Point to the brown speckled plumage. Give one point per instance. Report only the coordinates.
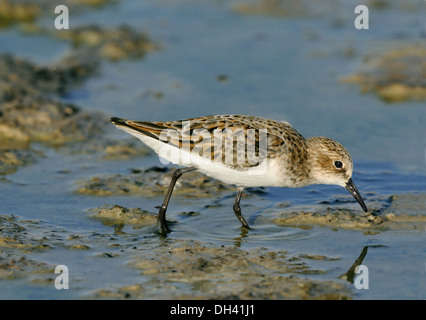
(286, 159)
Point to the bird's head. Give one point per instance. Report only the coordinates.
(331, 163)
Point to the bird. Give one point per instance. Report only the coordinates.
(245, 151)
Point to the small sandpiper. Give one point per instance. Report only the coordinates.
(245, 151)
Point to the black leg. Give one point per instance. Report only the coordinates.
(163, 208)
(237, 209)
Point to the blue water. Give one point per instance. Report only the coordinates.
(281, 68)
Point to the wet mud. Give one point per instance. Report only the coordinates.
(152, 181)
(397, 212)
(120, 216)
(27, 12)
(30, 95)
(200, 271)
(32, 111)
(283, 8)
(112, 44)
(204, 272)
(15, 244)
(12, 12)
(395, 75)
(189, 269)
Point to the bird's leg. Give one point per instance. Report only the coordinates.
(237, 209)
(163, 208)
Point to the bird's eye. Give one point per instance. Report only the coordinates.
(338, 164)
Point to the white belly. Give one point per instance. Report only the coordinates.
(268, 173)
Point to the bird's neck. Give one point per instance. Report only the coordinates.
(314, 147)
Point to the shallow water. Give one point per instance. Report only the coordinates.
(287, 68)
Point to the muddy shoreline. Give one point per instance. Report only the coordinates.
(111, 200)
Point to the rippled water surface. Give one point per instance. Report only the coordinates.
(214, 59)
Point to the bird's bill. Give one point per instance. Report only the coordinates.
(350, 186)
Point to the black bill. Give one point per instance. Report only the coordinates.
(350, 186)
